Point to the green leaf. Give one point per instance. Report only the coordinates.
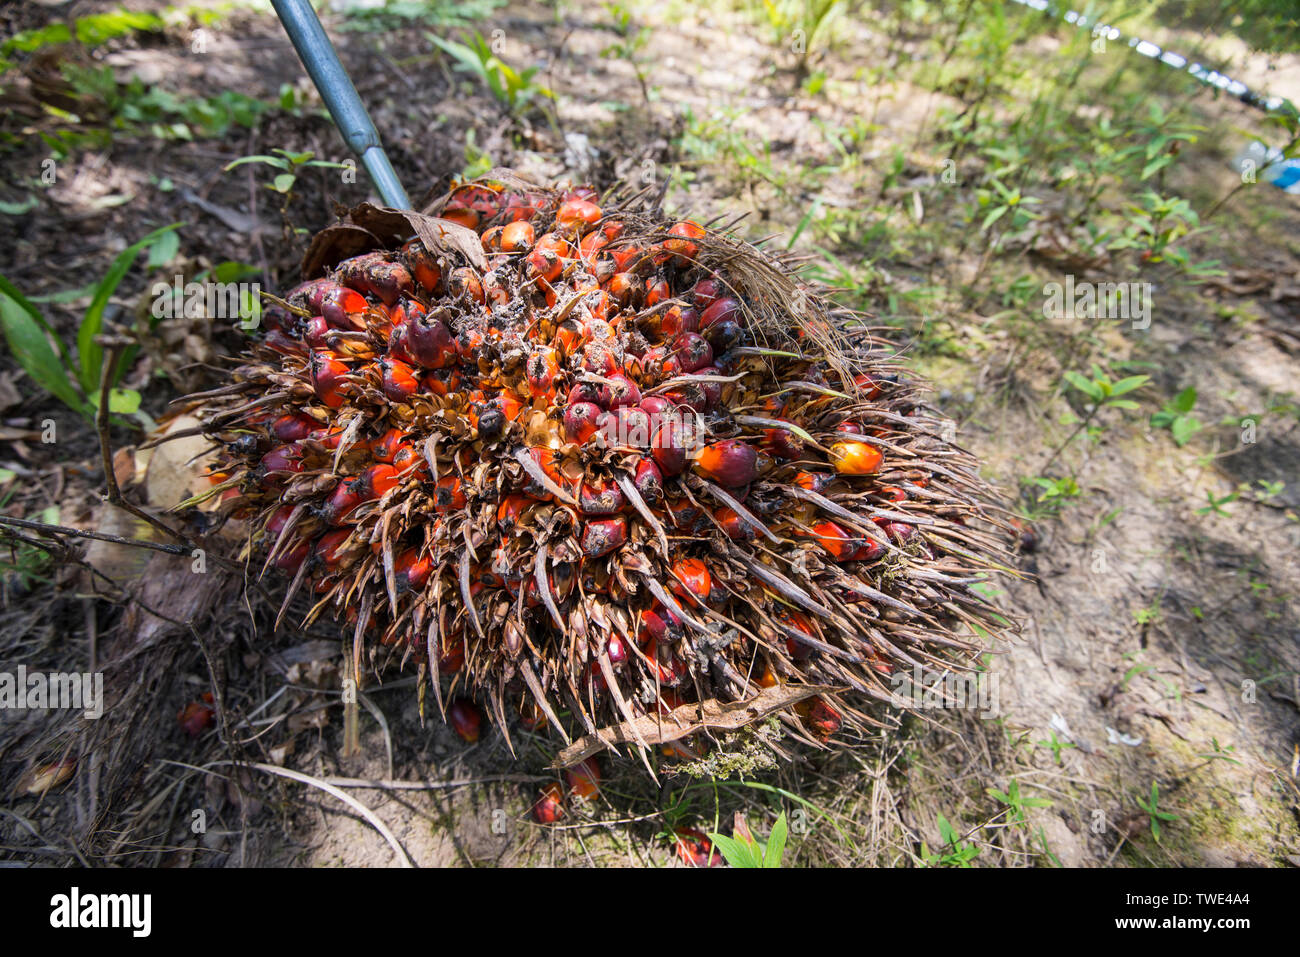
(1185, 401)
(737, 853)
(162, 252)
(1129, 383)
(275, 161)
(776, 843)
(993, 217)
(89, 352)
(120, 401)
(283, 182)
(1184, 427)
(29, 345)
(1089, 388)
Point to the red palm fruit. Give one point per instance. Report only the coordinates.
(385, 447)
(278, 520)
(691, 580)
(892, 493)
(399, 382)
(584, 392)
(376, 274)
(376, 481)
(657, 291)
(695, 849)
(603, 536)
(655, 406)
(649, 481)
(328, 550)
(849, 427)
(723, 335)
(341, 502)
(868, 386)
(465, 282)
(518, 237)
(423, 267)
(318, 333)
(541, 368)
(899, 533)
(617, 651)
(733, 526)
(689, 353)
(765, 677)
(820, 717)
(685, 517)
(545, 459)
(197, 716)
(283, 458)
(855, 458)
(292, 428)
(291, 559)
(411, 571)
(842, 546)
(599, 498)
(531, 717)
(461, 216)
(706, 292)
(783, 443)
(449, 494)
(466, 719)
(721, 310)
(660, 624)
(627, 289)
(442, 382)
(731, 462)
(511, 511)
(451, 655)
(592, 243)
(666, 667)
(580, 421)
(583, 779)
(619, 390)
(492, 239)
(328, 377)
(343, 308)
(813, 481)
(408, 460)
(283, 344)
(678, 320)
(327, 438)
(575, 215)
(799, 650)
(546, 261)
(667, 445)
(549, 806)
(681, 243)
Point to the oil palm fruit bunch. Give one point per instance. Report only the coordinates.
(586, 464)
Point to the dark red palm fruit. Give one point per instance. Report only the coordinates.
(327, 438)
(722, 336)
(603, 536)
(733, 526)
(710, 392)
(689, 353)
(282, 458)
(292, 428)
(666, 667)
(694, 849)
(518, 237)
(448, 495)
(599, 498)
(619, 391)
(411, 571)
(328, 551)
(575, 216)
(276, 523)
(584, 392)
(867, 385)
(377, 275)
(849, 427)
(344, 308)
(385, 447)
(649, 482)
(691, 580)
(616, 650)
(892, 493)
(667, 445)
(197, 716)
(731, 462)
(583, 779)
(842, 546)
(285, 345)
(291, 559)
(423, 267)
(318, 333)
(549, 806)
(399, 380)
(783, 443)
(341, 502)
(685, 517)
(682, 244)
(328, 377)
(630, 428)
(465, 718)
(899, 533)
(706, 292)
(798, 650)
(720, 310)
(659, 624)
(655, 406)
(580, 421)
(451, 655)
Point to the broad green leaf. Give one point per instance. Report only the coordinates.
(1184, 428)
(1185, 401)
(776, 843)
(32, 349)
(1129, 384)
(120, 401)
(737, 853)
(275, 161)
(283, 182)
(90, 354)
(1089, 388)
(161, 252)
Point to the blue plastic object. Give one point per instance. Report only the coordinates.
(326, 71)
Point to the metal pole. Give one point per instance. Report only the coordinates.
(340, 96)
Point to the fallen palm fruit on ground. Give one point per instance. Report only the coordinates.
(596, 468)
